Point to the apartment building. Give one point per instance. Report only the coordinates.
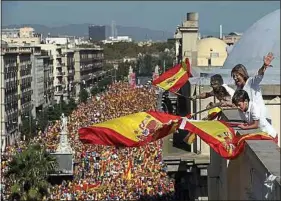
(69, 71)
(58, 69)
(25, 35)
(88, 67)
(48, 77)
(16, 91)
(42, 79)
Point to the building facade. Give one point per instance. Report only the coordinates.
(97, 33)
(16, 91)
(69, 71)
(58, 69)
(38, 80)
(88, 67)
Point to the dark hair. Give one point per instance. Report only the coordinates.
(217, 77)
(220, 93)
(240, 95)
(241, 69)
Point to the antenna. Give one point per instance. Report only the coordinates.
(220, 31)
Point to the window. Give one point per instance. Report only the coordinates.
(214, 54)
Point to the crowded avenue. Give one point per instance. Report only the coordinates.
(104, 166)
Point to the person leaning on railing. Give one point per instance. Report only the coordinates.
(252, 113)
(220, 90)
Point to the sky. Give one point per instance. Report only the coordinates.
(156, 15)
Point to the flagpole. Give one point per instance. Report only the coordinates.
(191, 115)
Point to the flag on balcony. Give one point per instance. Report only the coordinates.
(212, 114)
(132, 130)
(221, 137)
(174, 78)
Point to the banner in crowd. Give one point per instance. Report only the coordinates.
(132, 130)
(155, 76)
(86, 187)
(212, 114)
(174, 78)
(128, 172)
(221, 137)
(132, 79)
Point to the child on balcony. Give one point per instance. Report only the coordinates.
(253, 115)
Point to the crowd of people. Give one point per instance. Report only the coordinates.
(101, 172)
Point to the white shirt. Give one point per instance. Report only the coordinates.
(254, 114)
(252, 87)
(229, 90)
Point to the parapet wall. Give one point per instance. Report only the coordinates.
(254, 175)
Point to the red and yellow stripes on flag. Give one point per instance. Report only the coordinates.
(215, 133)
(132, 130)
(128, 172)
(222, 138)
(239, 140)
(212, 114)
(86, 187)
(174, 78)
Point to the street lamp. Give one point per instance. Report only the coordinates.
(115, 66)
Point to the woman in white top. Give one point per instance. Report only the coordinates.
(252, 84)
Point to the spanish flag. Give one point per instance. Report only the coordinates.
(86, 186)
(212, 114)
(132, 130)
(174, 78)
(221, 137)
(128, 172)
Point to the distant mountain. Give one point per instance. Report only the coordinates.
(137, 33)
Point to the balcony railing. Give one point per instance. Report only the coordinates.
(58, 93)
(59, 74)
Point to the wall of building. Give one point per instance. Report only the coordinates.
(243, 178)
(38, 81)
(18, 41)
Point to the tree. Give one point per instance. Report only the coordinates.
(42, 119)
(72, 104)
(94, 90)
(28, 173)
(83, 96)
(28, 127)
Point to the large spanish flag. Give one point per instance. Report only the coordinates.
(132, 130)
(221, 137)
(174, 78)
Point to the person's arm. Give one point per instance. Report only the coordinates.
(253, 125)
(227, 102)
(255, 113)
(204, 95)
(266, 63)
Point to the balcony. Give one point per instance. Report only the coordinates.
(58, 93)
(58, 65)
(59, 74)
(26, 107)
(71, 72)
